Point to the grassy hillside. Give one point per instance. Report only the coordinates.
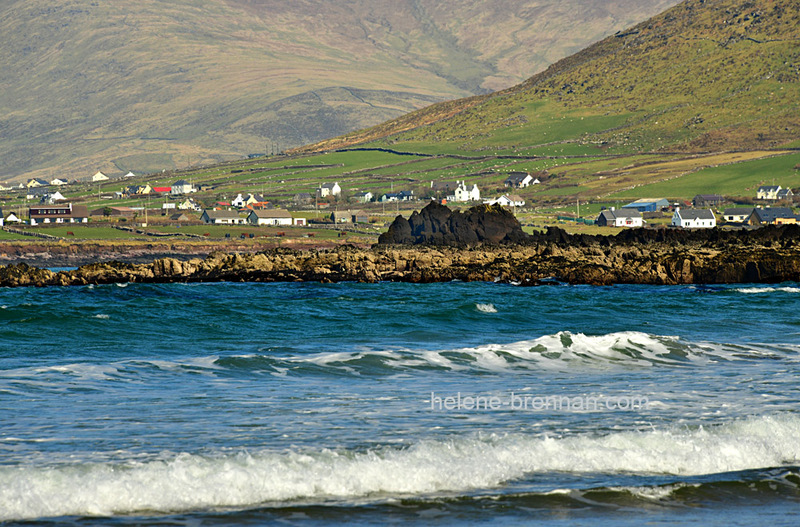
(149, 85)
(702, 76)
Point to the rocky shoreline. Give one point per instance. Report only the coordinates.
(475, 246)
(635, 263)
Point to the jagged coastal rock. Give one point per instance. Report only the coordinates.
(482, 244)
(438, 225)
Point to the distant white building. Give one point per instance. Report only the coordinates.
(769, 192)
(52, 197)
(182, 187)
(620, 218)
(58, 182)
(188, 204)
(520, 180)
(507, 200)
(270, 217)
(465, 193)
(99, 176)
(36, 182)
(10, 218)
(224, 217)
(737, 214)
(329, 189)
(694, 218)
(129, 174)
(364, 197)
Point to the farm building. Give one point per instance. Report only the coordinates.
(648, 205)
(707, 200)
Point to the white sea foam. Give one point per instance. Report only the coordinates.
(102, 316)
(762, 290)
(553, 352)
(193, 482)
(486, 308)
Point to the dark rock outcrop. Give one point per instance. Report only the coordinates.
(438, 225)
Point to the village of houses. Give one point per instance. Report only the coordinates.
(179, 206)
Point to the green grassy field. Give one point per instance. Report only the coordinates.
(85, 232)
(739, 179)
(12, 236)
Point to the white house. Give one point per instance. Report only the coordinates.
(241, 202)
(520, 180)
(364, 197)
(35, 182)
(620, 218)
(403, 195)
(769, 192)
(188, 204)
(270, 217)
(58, 182)
(507, 200)
(129, 174)
(694, 218)
(222, 217)
(329, 189)
(737, 214)
(465, 193)
(182, 187)
(99, 176)
(11, 218)
(52, 197)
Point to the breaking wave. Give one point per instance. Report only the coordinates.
(558, 352)
(461, 464)
(763, 290)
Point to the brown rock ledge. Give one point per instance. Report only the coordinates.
(770, 261)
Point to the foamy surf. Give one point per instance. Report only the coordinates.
(486, 308)
(558, 351)
(188, 482)
(765, 290)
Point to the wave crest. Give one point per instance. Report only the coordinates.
(460, 464)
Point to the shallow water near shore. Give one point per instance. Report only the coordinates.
(449, 403)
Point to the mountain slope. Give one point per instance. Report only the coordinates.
(148, 85)
(704, 75)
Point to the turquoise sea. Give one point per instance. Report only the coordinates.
(434, 404)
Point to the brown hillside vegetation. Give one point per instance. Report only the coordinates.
(148, 85)
(702, 76)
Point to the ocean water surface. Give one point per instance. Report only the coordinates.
(455, 403)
